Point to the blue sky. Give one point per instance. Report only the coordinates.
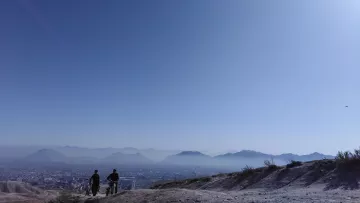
(272, 76)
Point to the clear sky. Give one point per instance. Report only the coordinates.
(272, 76)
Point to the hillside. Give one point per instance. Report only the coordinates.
(18, 192)
(269, 178)
(315, 181)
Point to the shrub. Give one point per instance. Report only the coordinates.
(247, 170)
(347, 160)
(344, 156)
(293, 164)
(203, 179)
(193, 180)
(231, 174)
(270, 164)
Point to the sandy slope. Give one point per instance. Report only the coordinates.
(18, 192)
(317, 181)
(314, 194)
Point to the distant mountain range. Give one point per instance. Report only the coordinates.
(238, 159)
(189, 158)
(52, 156)
(45, 155)
(133, 156)
(100, 153)
(285, 157)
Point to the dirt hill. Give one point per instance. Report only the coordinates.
(300, 175)
(316, 181)
(18, 192)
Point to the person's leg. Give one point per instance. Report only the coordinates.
(94, 190)
(107, 191)
(116, 187)
(112, 189)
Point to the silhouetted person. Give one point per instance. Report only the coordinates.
(114, 179)
(95, 183)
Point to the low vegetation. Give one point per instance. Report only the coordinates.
(203, 179)
(293, 164)
(247, 171)
(270, 164)
(348, 160)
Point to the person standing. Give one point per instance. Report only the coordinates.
(95, 183)
(114, 179)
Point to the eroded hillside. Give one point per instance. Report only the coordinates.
(322, 172)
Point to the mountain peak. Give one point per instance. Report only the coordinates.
(251, 154)
(46, 155)
(190, 153)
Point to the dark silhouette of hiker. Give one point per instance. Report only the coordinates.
(95, 183)
(113, 178)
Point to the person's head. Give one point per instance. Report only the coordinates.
(96, 171)
(114, 171)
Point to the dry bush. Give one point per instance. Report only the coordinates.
(270, 164)
(348, 161)
(203, 179)
(293, 164)
(247, 171)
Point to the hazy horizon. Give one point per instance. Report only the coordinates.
(271, 76)
(204, 151)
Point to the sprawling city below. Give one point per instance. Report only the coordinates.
(76, 177)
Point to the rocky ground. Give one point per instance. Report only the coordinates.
(306, 195)
(317, 181)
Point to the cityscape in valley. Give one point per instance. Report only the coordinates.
(66, 168)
